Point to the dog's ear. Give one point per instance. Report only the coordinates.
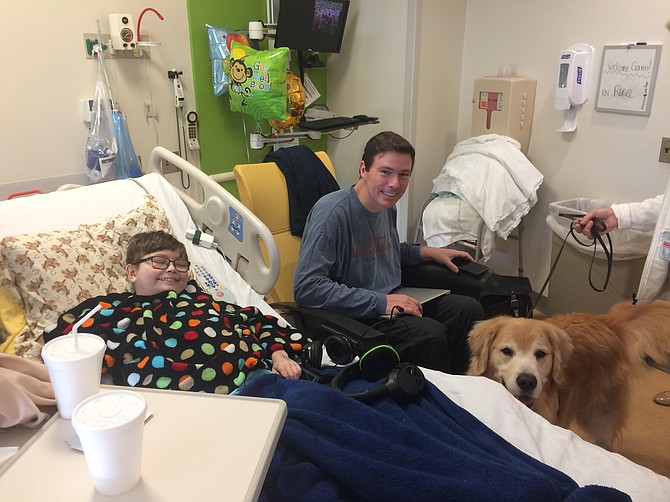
(561, 347)
(480, 339)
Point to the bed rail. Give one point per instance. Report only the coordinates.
(235, 228)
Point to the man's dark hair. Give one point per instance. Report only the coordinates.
(383, 142)
(149, 242)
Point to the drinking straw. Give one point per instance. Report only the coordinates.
(79, 323)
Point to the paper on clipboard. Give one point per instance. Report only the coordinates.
(311, 92)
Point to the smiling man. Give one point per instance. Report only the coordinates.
(351, 257)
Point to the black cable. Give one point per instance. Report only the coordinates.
(176, 115)
(608, 254)
(186, 184)
(341, 137)
(597, 228)
(355, 349)
(387, 331)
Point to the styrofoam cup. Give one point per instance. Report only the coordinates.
(74, 371)
(110, 426)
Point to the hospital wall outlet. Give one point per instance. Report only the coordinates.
(86, 110)
(664, 156)
(91, 40)
(150, 110)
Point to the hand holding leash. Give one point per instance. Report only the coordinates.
(596, 222)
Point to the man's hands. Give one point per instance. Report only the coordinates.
(444, 256)
(410, 306)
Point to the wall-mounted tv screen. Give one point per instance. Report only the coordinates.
(311, 25)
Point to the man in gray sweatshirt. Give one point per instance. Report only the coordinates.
(351, 257)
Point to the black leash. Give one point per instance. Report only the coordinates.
(598, 227)
(608, 254)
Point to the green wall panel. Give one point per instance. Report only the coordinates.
(223, 134)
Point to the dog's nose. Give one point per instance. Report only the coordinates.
(526, 382)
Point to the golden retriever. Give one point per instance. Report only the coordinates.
(574, 369)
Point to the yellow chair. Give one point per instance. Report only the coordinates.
(264, 191)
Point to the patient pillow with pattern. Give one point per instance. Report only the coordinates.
(49, 273)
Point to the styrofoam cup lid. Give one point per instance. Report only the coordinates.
(109, 410)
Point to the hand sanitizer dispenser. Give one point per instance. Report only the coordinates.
(573, 82)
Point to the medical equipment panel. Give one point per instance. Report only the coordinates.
(504, 105)
(122, 32)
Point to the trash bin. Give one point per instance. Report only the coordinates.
(569, 288)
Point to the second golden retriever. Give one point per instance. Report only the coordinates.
(574, 369)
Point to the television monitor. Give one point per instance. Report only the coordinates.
(311, 25)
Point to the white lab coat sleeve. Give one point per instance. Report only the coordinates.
(638, 215)
(654, 282)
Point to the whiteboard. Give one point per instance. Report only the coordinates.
(627, 78)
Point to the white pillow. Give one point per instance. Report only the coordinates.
(52, 272)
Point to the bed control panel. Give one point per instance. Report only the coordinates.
(209, 283)
(236, 225)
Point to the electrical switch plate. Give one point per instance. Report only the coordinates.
(665, 151)
(150, 110)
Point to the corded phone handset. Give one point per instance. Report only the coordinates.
(192, 131)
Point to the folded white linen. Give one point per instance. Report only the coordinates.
(494, 177)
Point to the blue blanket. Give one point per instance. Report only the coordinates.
(335, 448)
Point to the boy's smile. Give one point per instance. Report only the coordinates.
(149, 280)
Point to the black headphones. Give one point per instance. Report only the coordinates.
(403, 381)
(339, 348)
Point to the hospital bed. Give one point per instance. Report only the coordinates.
(110, 211)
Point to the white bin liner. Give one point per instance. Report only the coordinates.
(626, 244)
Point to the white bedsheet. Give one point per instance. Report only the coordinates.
(584, 462)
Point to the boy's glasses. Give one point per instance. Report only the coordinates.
(162, 263)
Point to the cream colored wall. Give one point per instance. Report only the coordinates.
(610, 156)
(371, 76)
(436, 100)
(401, 62)
(45, 74)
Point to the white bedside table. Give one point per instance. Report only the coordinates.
(196, 447)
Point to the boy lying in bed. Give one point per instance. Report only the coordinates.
(169, 334)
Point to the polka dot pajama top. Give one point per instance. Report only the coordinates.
(185, 341)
